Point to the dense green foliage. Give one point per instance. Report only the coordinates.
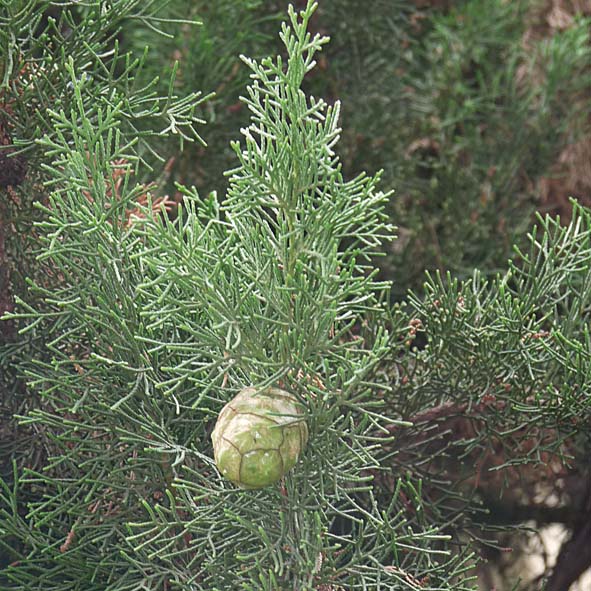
(55, 59)
(134, 317)
(462, 109)
(151, 326)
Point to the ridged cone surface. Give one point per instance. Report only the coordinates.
(259, 437)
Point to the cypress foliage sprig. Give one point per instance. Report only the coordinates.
(42, 44)
(496, 391)
(154, 324)
(59, 60)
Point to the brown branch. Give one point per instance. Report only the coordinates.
(575, 555)
(574, 559)
(450, 409)
(507, 513)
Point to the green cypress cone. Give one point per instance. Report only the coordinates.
(258, 437)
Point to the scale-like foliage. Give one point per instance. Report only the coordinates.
(55, 57)
(497, 390)
(152, 325)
